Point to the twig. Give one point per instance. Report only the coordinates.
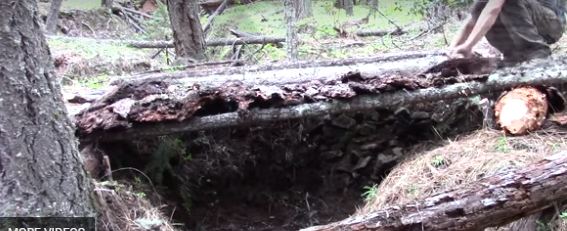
(133, 11)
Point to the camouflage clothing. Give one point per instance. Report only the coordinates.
(525, 28)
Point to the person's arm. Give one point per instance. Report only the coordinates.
(485, 21)
(464, 32)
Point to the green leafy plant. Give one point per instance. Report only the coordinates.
(370, 192)
(438, 161)
(502, 145)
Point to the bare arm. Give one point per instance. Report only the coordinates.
(464, 32)
(485, 21)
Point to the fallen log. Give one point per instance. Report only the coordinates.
(211, 42)
(151, 108)
(521, 110)
(380, 33)
(281, 73)
(492, 201)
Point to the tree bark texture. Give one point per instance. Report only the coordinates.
(492, 201)
(187, 31)
(107, 3)
(53, 16)
(290, 7)
(157, 107)
(40, 170)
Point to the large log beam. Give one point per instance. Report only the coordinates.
(489, 202)
(301, 71)
(152, 108)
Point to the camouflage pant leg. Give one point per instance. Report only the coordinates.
(524, 29)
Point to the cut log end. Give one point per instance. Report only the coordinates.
(521, 110)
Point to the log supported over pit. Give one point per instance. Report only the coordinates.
(164, 106)
(492, 201)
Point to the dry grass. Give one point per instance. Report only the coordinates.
(120, 208)
(460, 162)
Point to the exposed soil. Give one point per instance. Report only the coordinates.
(287, 175)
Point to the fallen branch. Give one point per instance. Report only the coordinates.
(121, 8)
(218, 11)
(379, 33)
(211, 42)
(154, 109)
(242, 34)
(489, 202)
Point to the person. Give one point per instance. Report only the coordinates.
(520, 29)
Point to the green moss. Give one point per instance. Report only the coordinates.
(80, 4)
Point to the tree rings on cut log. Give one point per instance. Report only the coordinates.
(521, 110)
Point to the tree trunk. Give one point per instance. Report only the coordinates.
(40, 169)
(290, 7)
(304, 9)
(53, 16)
(107, 3)
(187, 31)
(373, 5)
(347, 5)
(493, 201)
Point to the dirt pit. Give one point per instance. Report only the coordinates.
(286, 175)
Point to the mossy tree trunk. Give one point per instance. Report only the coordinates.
(40, 170)
(53, 16)
(187, 30)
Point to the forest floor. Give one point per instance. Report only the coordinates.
(255, 199)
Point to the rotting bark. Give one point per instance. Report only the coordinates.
(53, 16)
(492, 201)
(152, 108)
(188, 36)
(40, 170)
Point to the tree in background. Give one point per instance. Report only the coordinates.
(187, 31)
(40, 169)
(347, 5)
(53, 16)
(107, 3)
(290, 7)
(304, 9)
